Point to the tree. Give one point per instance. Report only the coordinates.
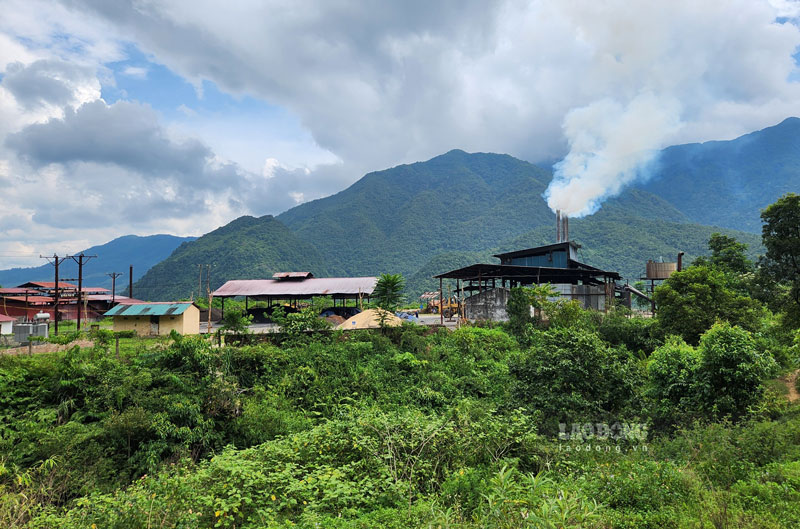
(572, 375)
(780, 267)
(729, 255)
(234, 322)
(520, 301)
(691, 301)
(731, 371)
(672, 371)
(388, 291)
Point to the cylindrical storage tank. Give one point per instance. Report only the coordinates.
(660, 270)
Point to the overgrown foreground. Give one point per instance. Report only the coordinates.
(407, 429)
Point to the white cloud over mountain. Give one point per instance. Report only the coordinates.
(372, 83)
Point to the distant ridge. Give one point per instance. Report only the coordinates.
(424, 218)
(728, 183)
(114, 256)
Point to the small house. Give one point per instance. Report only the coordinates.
(156, 319)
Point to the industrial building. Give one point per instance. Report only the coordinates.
(33, 297)
(156, 319)
(487, 285)
(296, 286)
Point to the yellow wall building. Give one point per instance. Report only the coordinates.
(156, 319)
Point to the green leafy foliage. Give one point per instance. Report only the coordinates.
(388, 291)
(780, 267)
(689, 303)
(731, 371)
(572, 376)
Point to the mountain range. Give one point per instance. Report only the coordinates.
(114, 256)
(458, 208)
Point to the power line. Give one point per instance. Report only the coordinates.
(81, 259)
(56, 261)
(114, 276)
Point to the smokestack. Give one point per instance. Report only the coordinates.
(565, 229)
(680, 261)
(558, 225)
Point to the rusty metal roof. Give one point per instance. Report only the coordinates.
(150, 309)
(46, 284)
(3, 317)
(292, 275)
(33, 300)
(315, 286)
(18, 290)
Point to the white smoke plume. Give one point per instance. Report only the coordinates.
(610, 146)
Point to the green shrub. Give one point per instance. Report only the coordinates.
(672, 373)
(731, 371)
(571, 375)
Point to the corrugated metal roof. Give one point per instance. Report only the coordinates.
(292, 275)
(149, 309)
(537, 250)
(95, 289)
(33, 300)
(3, 317)
(109, 297)
(317, 286)
(17, 290)
(46, 284)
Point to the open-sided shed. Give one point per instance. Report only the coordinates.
(292, 286)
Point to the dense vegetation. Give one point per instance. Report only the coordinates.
(402, 428)
(559, 418)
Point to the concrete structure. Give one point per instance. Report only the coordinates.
(6, 324)
(489, 305)
(156, 319)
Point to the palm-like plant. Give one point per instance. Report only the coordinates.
(388, 291)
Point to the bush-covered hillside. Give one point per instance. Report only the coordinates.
(567, 418)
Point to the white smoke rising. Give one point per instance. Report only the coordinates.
(610, 147)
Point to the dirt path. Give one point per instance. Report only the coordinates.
(45, 348)
(791, 384)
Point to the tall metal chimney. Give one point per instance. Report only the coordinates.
(558, 225)
(565, 229)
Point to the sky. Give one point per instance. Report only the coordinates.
(177, 116)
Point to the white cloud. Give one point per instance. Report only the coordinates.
(137, 72)
(374, 84)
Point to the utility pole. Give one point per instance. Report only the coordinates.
(200, 282)
(130, 282)
(81, 260)
(114, 276)
(208, 294)
(56, 260)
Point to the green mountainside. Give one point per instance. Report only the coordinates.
(247, 248)
(425, 218)
(113, 256)
(728, 183)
